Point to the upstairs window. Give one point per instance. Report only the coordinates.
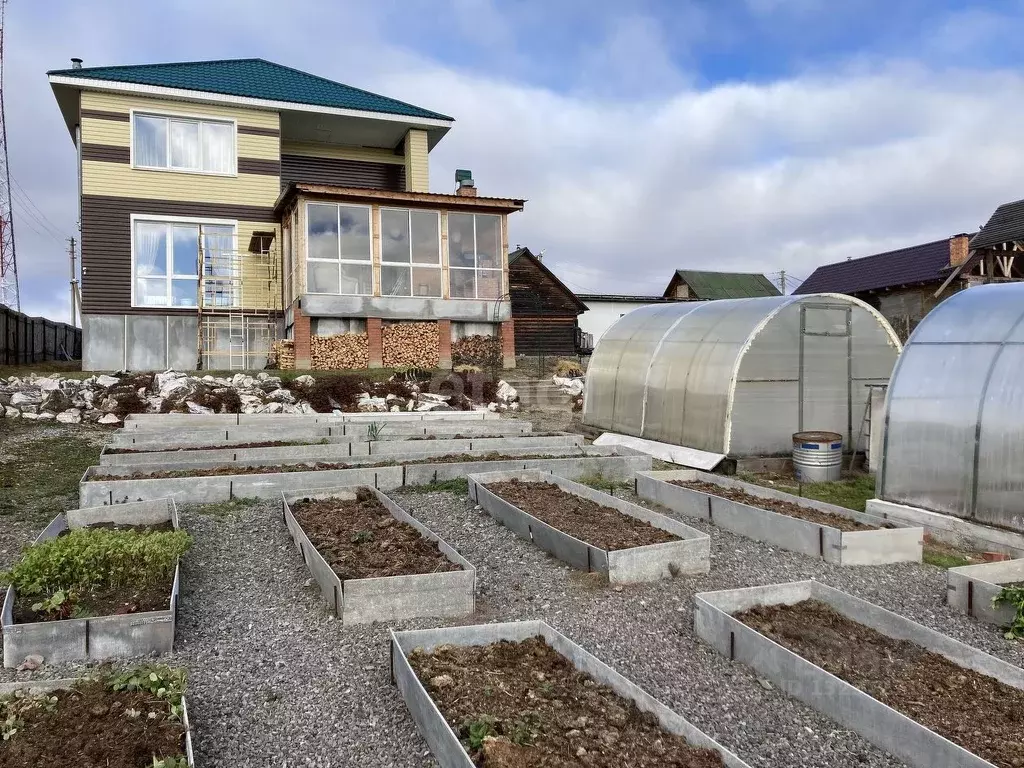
(474, 256)
(410, 243)
(183, 144)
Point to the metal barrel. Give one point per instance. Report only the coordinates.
(817, 456)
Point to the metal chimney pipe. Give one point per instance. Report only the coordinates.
(76, 63)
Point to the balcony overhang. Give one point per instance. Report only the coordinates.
(408, 199)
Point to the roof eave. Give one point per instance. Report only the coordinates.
(436, 127)
(497, 204)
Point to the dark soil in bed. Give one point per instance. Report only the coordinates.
(515, 705)
(360, 539)
(317, 466)
(787, 508)
(973, 710)
(586, 520)
(89, 727)
(104, 602)
(213, 447)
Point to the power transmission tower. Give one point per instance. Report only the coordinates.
(10, 295)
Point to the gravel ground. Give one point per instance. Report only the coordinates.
(276, 681)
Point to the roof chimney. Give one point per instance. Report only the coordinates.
(958, 249)
(466, 186)
(76, 63)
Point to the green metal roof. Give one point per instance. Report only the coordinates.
(726, 285)
(256, 79)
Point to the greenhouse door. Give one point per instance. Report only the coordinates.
(824, 389)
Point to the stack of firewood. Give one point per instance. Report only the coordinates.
(282, 353)
(411, 345)
(342, 350)
(477, 350)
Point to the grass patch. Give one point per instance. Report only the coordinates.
(941, 558)
(601, 483)
(69, 370)
(40, 467)
(852, 492)
(458, 485)
(226, 510)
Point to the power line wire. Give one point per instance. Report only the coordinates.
(37, 210)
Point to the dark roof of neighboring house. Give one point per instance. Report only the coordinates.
(725, 285)
(924, 263)
(1005, 225)
(253, 78)
(527, 253)
(614, 297)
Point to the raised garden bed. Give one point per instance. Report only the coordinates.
(339, 451)
(393, 474)
(591, 530)
(150, 421)
(974, 588)
(118, 720)
(375, 562)
(469, 691)
(835, 534)
(90, 611)
(918, 694)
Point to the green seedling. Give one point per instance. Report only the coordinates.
(1013, 596)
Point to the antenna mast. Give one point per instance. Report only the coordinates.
(10, 294)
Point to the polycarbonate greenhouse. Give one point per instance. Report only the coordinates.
(954, 438)
(740, 376)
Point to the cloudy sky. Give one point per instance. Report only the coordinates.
(646, 136)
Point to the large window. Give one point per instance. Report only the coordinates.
(474, 256)
(338, 249)
(165, 263)
(183, 144)
(410, 245)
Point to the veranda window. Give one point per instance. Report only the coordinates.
(410, 252)
(338, 249)
(474, 256)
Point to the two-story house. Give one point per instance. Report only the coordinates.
(227, 204)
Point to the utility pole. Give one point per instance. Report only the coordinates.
(10, 295)
(74, 283)
(782, 281)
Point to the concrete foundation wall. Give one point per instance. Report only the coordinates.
(897, 544)
(973, 588)
(358, 601)
(139, 342)
(689, 555)
(889, 730)
(445, 745)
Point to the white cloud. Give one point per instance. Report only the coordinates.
(787, 174)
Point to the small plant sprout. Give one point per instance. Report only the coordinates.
(1013, 596)
(363, 537)
(374, 429)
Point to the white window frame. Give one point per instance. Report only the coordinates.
(476, 269)
(191, 117)
(410, 265)
(233, 223)
(368, 262)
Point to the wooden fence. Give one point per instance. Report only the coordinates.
(25, 340)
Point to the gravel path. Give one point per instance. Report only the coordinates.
(276, 681)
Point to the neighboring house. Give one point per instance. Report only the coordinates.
(225, 203)
(698, 285)
(544, 310)
(903, 284)
(603, 310)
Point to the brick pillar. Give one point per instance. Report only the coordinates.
(508, 344)
(376, 342)
(300, 334)
(444, 335)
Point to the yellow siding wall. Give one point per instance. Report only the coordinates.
(417, 164)
(121, 102)
(365, 154)
(261, 275)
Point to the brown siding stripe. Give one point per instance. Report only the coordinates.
(260, 166)
(106, 153)
(254, 130)
(102, 114)
(341, 172)
(107, 247)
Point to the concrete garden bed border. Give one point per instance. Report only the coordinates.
(63, 684)
(445, 594)
(897, 544)
(881, 725)
(204, 490)
(96, 638)
(186, 437)
(972, 588)
(690, 555)
(342, 451)
(151, 421)
(445, 745)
